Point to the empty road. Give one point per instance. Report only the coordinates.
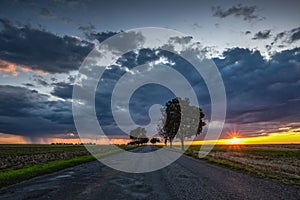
(187, 178)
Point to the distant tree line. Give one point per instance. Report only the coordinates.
(139, 137)
(180, 120)
(64, 143)
(154, 140)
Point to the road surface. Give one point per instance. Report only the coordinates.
(187, 178)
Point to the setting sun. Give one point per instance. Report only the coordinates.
(235, 140)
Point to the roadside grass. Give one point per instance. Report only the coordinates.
(11, 176)
(260, 173)
(264, 161)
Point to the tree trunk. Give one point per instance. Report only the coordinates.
(171, 143)
(182, 143)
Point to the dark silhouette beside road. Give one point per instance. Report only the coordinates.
(180, 120)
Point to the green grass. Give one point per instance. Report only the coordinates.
(12, 176)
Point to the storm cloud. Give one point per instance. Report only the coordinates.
(100, 36)
(290, 36)
(247, 13)
(262, 35)
(259, 92)
(62, 90)
(41, 50)
(29, 113)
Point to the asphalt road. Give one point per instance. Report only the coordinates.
(187, 178)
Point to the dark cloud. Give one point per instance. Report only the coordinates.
(88, 28)
(260, 90)
(279, 36)
(295, 34)
(42, 82)
(16, 101)
(286, 37)
(121, 42)
(45, 12)
(29, 113)
(62, 90)
(247, 13)
(99, 36)
(260, 93)
(39, 80)
(140, 103)
(248, 32)
(280, 46)
(54, 79)
(262, 35)
(29, 85)
(181, 40)
(40, 50)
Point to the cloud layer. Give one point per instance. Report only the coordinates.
(41, 50)
(261, 93)
(262, 35)
(247, 13)
(29, 113)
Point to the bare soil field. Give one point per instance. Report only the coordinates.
(19, 156)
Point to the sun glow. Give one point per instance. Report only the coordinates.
(235, 140)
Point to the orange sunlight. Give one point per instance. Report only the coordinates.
(234, 140)
(234, 137)
(16, 139)
(14, 69)
(288, 137)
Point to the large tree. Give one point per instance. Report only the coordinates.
(180, 120)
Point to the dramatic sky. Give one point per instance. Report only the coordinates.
(254, 44)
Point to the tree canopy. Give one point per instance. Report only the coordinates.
(154, 140)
